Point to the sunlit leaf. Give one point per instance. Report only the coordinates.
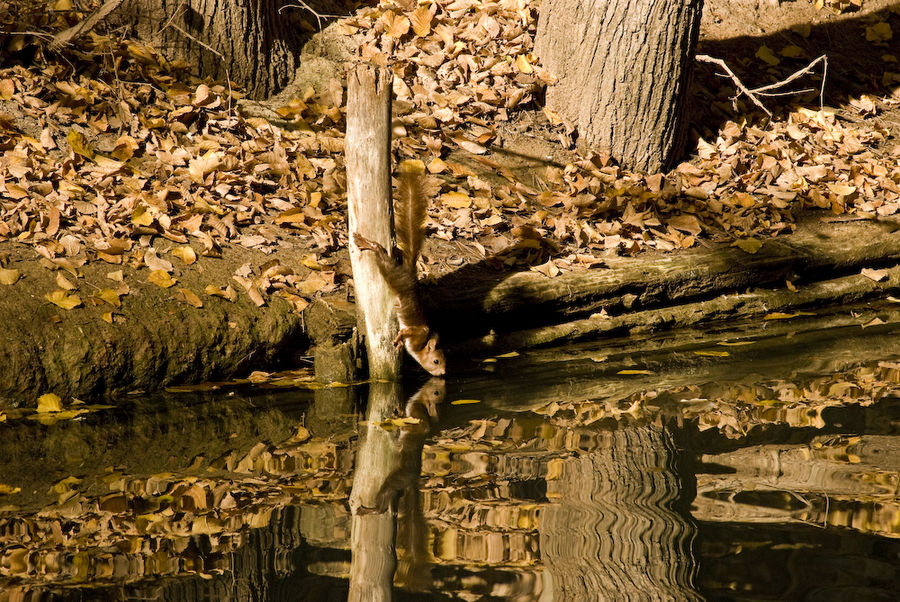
(63, 299)
(9, 276)
(748, 245)
(189, 297)
(161, 278)
(49, 402)
(460, 402)
(631, 372)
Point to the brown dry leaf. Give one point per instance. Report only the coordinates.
(161, 278)
(8, 88)
(421, 20)
(226, 293)
(686, 223)
(62, 299)
(202, 166)
(189, 297)
(9, 276)
(876, 275)
(63, 283)
(395, 25)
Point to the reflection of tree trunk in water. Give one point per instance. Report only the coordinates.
(372, 535)
(616, 532)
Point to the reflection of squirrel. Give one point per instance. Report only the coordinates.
(400, 274)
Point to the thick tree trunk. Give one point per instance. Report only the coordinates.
(246, 40)
(623, 69)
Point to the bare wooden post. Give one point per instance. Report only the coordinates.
(367, 150)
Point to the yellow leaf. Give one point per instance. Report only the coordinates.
(8, 276)
(777, 315)
(63, 283)
(437, 166)
(161, 278)
(107, 317)
(421, 21)
(141, 216)
(712, 353)
(7, 89)
(792, 52)
(110, 296)
(629, 372)
(462, 402)
(62, 299)
(748, 245)
(8, 489)
(412, 166)
(523, 64)
(190, 297)
(79, 144)
(456, 199)
(766, 55)
(185, 254)
(49, 402)
(880, 32)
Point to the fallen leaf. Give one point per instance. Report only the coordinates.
(190, 297)
(9, 276)
(462, 402)
(161, 278)
(748, 245)
(876, 275)
(49, 402)
(62, 299)
(633, 372)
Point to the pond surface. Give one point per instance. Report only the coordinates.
(753, 462)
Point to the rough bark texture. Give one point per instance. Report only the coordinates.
(369, 210)
(248, 41)
(476, 301)
(623, 70)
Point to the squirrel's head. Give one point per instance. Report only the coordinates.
(433, 358)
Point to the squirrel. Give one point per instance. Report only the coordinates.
(400, 273)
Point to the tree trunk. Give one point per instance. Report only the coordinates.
(248, 41)
(369, 211)
(623, 68)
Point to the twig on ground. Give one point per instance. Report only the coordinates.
(318, 16)
(753, 94)
(76, 31)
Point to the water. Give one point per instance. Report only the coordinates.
(757, 461)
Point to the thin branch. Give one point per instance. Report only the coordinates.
(318, 16)
(764, 90)
(705, 58)
(76, 31)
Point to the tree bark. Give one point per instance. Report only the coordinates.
(623, 70)
(248, 41)
(369, 209)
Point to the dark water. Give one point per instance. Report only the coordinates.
(755, 462)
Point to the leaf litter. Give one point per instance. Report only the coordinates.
(136, 163)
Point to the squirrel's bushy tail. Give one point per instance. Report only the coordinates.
(409, 218)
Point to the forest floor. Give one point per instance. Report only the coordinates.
(156, 228)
